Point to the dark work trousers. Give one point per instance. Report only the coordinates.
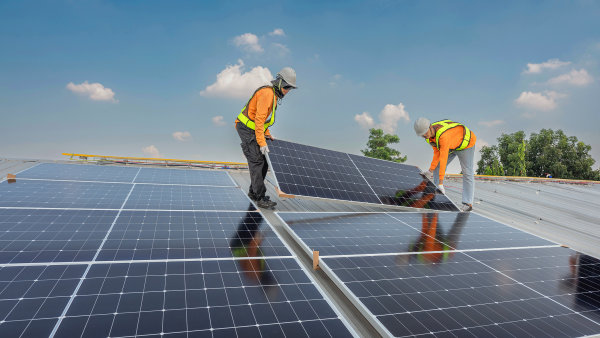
(257, 162)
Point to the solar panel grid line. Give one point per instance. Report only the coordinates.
(543, 295)
(18, 172)
(111, 182)
(89, 265)
(363, 177)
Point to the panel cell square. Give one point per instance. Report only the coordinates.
(81, 172)
(262, 297)
(178, 197)
(38, 235)
(184, 177)
(57, 194)
(143, 235)
(33, 297)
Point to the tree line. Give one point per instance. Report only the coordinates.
(544, 154)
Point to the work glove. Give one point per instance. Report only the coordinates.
(271, 137)
(441, 189)
(427, 174)
(264, 150)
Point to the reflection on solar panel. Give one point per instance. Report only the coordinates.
(314, 172)
(188, 260)
(454, 274)
(374, 233)
(142, 235)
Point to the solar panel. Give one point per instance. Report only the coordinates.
(58, 194)
(180, 197)
(223, 298)
(34, 236)
(80, 172)
(376, 233)
(146, 235)
(166, 257)
(184, 176)
(33, 297)
(460, 296)
(314, 172)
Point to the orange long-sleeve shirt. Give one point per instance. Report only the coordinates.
(451, 139)
(259, 110)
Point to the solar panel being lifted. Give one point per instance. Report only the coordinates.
(308, 171)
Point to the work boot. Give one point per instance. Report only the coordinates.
(265, 203)
(466, 207)
(252, 196)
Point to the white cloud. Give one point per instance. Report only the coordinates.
(182, 136)
(539, 101)
(390, 116)
(574, 77)
(151, 151)
(233, 83)
(535, 68)
(491, 123)
(364, 120)
(277, 32)
(218, 121)
(281, 49)
(94, 91)
(248, 42)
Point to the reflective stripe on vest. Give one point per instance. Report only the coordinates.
(243, 117)
(446, 125)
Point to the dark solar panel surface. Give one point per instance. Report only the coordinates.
(455, 295)
(33, 297)
(180, 197)
(184, 176)
(183, 235)
(238, 278)
(310, 171)
(57, 194)
(401, 184)
(81, 172)
(38, 235)
(375, 233)
(228, 298)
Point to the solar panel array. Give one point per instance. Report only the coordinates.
(453, 274)
(118, 251)
(303, 170)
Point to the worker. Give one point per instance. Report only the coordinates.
(252, 124)
(449, 140)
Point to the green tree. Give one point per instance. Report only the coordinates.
(562, 156)
(489, 163)
(511, 149)
(377, 146)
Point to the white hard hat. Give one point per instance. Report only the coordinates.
(288, 75)
(421, 126)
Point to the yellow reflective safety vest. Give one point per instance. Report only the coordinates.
(243, 116)
(446, 125)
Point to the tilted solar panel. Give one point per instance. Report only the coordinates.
(308, 171)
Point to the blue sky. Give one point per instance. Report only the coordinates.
(140, 78)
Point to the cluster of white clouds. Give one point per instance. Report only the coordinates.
(548, 100)
(233, 82)
(389, 117)
(95, 91)
(151, 151)
(182, 136)
(252, 43)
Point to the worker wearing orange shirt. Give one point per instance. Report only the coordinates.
(449, 140)
(252, 125)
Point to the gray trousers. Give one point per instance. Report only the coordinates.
(257, 162)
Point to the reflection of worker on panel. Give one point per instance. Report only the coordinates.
(585, 271)
(433, 245)
(419, 196)
(246, 244)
